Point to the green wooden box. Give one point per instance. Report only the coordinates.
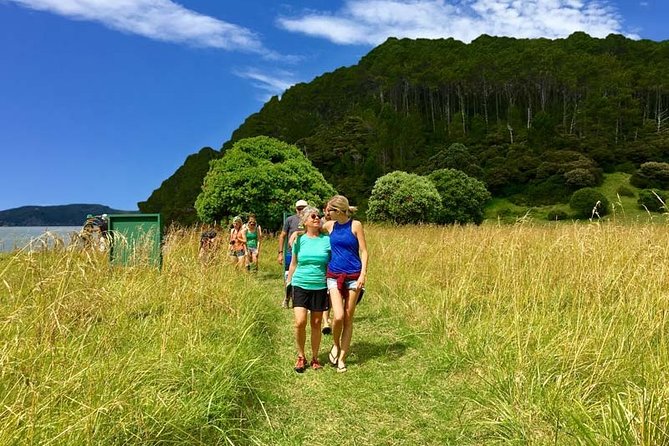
(136, 239)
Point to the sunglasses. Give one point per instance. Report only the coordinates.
(333, 210)
(315, 217)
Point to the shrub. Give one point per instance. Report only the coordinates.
(462, 197)
(578, 178)
(625, 191)
(556, 214)
(651, 175)
(587, 202)
(403, 198)
(652, 199)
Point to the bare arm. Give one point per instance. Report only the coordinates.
(282, 237)
(291, 268)
(360, 234)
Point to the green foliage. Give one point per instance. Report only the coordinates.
(587, 202)
(653, 200)
(556, 214)
(403, 198)
(625, 191)
(456, 156)
(651, 175)
(525, 110)
(261, 175)
(463, 198)
(580, 178)
(175, 198)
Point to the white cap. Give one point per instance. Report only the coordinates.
(301, 203)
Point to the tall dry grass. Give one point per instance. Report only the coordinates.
(558, 332)
(522, 334)
(95, 354)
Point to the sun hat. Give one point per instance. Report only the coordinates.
(301, 203)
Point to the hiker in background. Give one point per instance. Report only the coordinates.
(253, 239)
(238, 243)
(306, 274)
(346, 275)
(208, 244)
(285, 250)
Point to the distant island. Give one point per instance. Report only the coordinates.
(64, 215)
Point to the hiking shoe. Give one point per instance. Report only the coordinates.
(315, 364)
(301, 364)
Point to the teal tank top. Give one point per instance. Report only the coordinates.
(252, 239)
(313, 254)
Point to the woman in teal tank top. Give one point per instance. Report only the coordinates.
(253, 237)
(306, 274)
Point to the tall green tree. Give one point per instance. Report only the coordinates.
(402, 197)
(462, 197)
(261, 175)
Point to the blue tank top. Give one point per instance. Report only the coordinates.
(345, 249)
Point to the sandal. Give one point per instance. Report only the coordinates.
(301, 364)
(341, 368)
(332, 358)
(315, 364)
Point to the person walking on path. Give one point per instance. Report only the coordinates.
(306, 274)
(346, 275)
(238, 243)
(291, 225)
(253, 240)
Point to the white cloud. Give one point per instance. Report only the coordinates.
(162, 20)
(370, 22)
(272, 84)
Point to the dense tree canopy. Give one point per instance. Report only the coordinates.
(261, 175)
(539, 118)
(462, 197)
(403, 198)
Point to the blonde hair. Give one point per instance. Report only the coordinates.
(306, 212)
(340, 202)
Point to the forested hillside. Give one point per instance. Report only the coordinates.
(535, 119)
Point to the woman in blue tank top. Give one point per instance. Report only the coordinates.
(346, 274)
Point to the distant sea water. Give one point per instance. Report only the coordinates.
(19, 237)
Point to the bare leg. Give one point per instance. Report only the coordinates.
(347, 332)
(315, 332)
(300, 329)
(337, 318)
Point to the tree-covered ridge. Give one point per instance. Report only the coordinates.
(175, 198)
(538, 118)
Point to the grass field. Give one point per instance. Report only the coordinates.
(623, 209)
(498, 334)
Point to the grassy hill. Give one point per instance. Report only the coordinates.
(511, 334)
(623, 207)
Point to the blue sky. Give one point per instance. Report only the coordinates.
(102, 100)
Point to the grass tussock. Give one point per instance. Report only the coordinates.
(521, 334)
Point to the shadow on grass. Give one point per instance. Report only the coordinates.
(362, 352)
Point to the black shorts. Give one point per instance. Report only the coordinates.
(312, 300)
